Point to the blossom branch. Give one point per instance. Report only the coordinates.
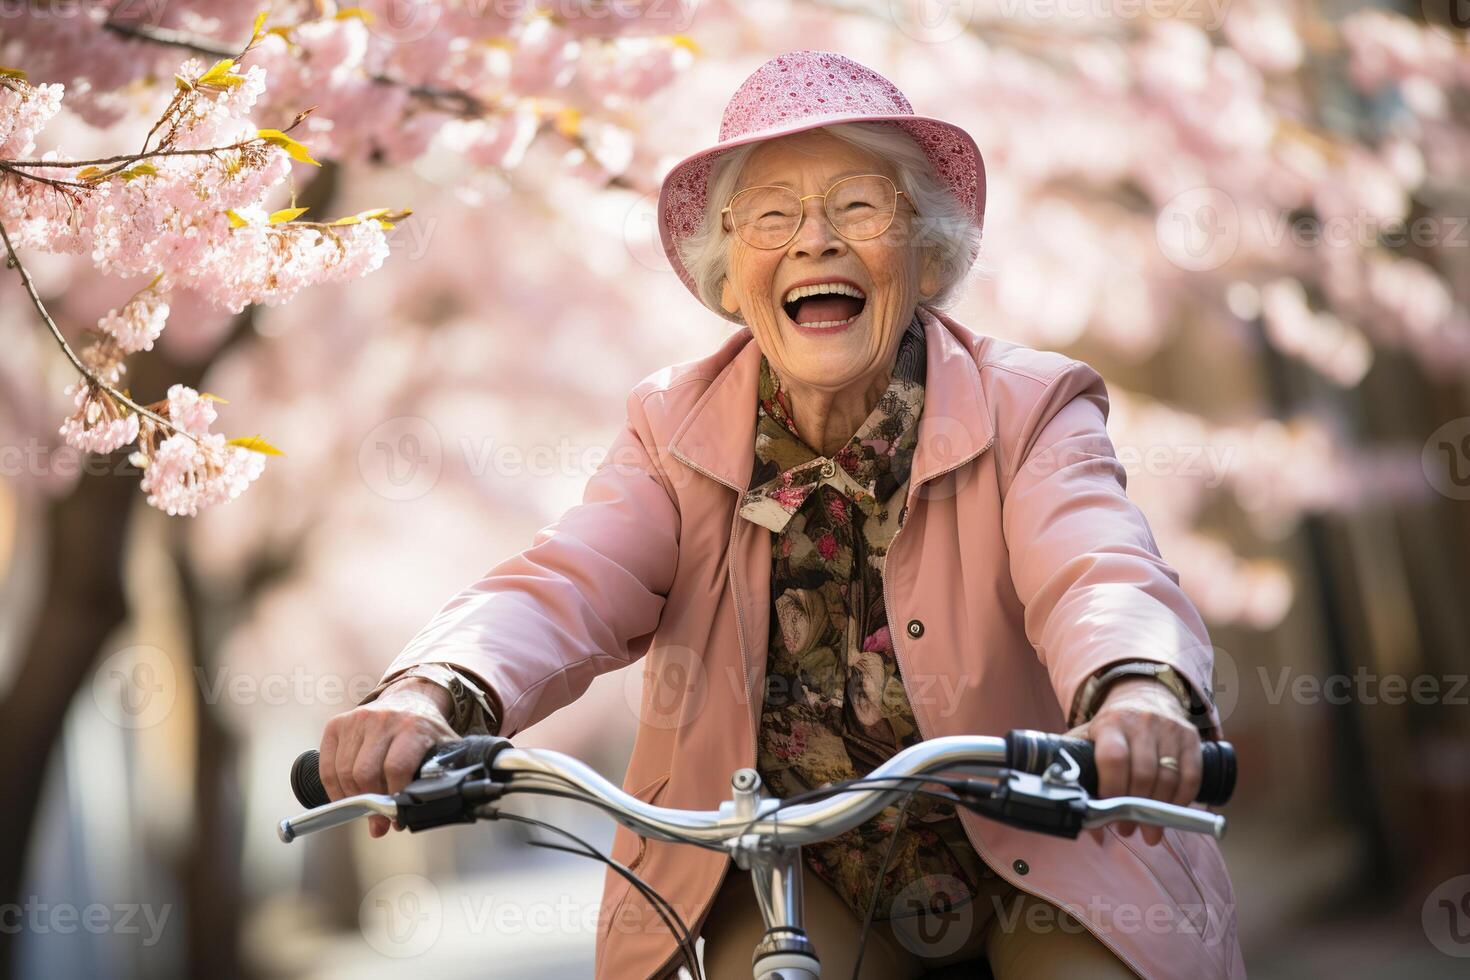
(13, 261)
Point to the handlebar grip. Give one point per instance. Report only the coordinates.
(475, 750)
(1031, 751)
(306, 780)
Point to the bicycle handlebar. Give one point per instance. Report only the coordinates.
(1031, 751)
(462, 781)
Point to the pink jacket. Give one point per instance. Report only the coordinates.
(1022, 569)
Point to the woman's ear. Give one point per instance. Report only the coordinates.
(929, 274)
(729, 302)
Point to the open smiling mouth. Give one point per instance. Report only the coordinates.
(825, 305)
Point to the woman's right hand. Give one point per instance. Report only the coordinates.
(377, 747)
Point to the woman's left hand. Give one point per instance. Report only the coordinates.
(1140, 722)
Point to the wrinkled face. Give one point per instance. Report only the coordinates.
(827, 342)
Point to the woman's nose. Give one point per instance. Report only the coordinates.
(816, 236)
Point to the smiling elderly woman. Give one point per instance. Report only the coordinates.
(855, 525)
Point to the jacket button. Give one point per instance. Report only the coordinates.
(1021, 866)
(916, 628)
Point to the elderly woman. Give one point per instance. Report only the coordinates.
(855, 525)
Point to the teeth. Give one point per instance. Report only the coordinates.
(823, 288)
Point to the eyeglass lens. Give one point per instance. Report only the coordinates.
(858, 207)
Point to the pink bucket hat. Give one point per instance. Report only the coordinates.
(804, 90)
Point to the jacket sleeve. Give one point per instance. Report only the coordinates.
(1082, 556)
(583, 599)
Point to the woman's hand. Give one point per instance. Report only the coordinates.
(377, 747)
(1141, 721)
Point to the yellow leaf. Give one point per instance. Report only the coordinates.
(351, 219)
(286, 214)
(259, 23)
(568, 121)
(155, 281)
(385, 225)
(255, 444)
(235, 220)
(138, 171)
(684, 41)
(284, 32)
(183, 84)
(12, 73)
(296, 150)
(366, 16)
(220, 76)
(89, 173)
(213, 398)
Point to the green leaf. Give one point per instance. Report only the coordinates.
(255, 444)
(297, 151)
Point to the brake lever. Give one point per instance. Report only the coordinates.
(1046, 804)
(1154, 813)
(1055, 803)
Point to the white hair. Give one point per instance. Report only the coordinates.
(942, 223)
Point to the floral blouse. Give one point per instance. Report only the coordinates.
(834, 705)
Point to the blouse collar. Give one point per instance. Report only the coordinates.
(869, 467)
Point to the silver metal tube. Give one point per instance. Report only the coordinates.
(336, 813)
(800, 824)
(1153, 812)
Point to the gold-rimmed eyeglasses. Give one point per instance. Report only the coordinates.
(769, 215)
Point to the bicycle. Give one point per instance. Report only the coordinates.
(1028, 779)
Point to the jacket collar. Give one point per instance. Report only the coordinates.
(716, 436)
